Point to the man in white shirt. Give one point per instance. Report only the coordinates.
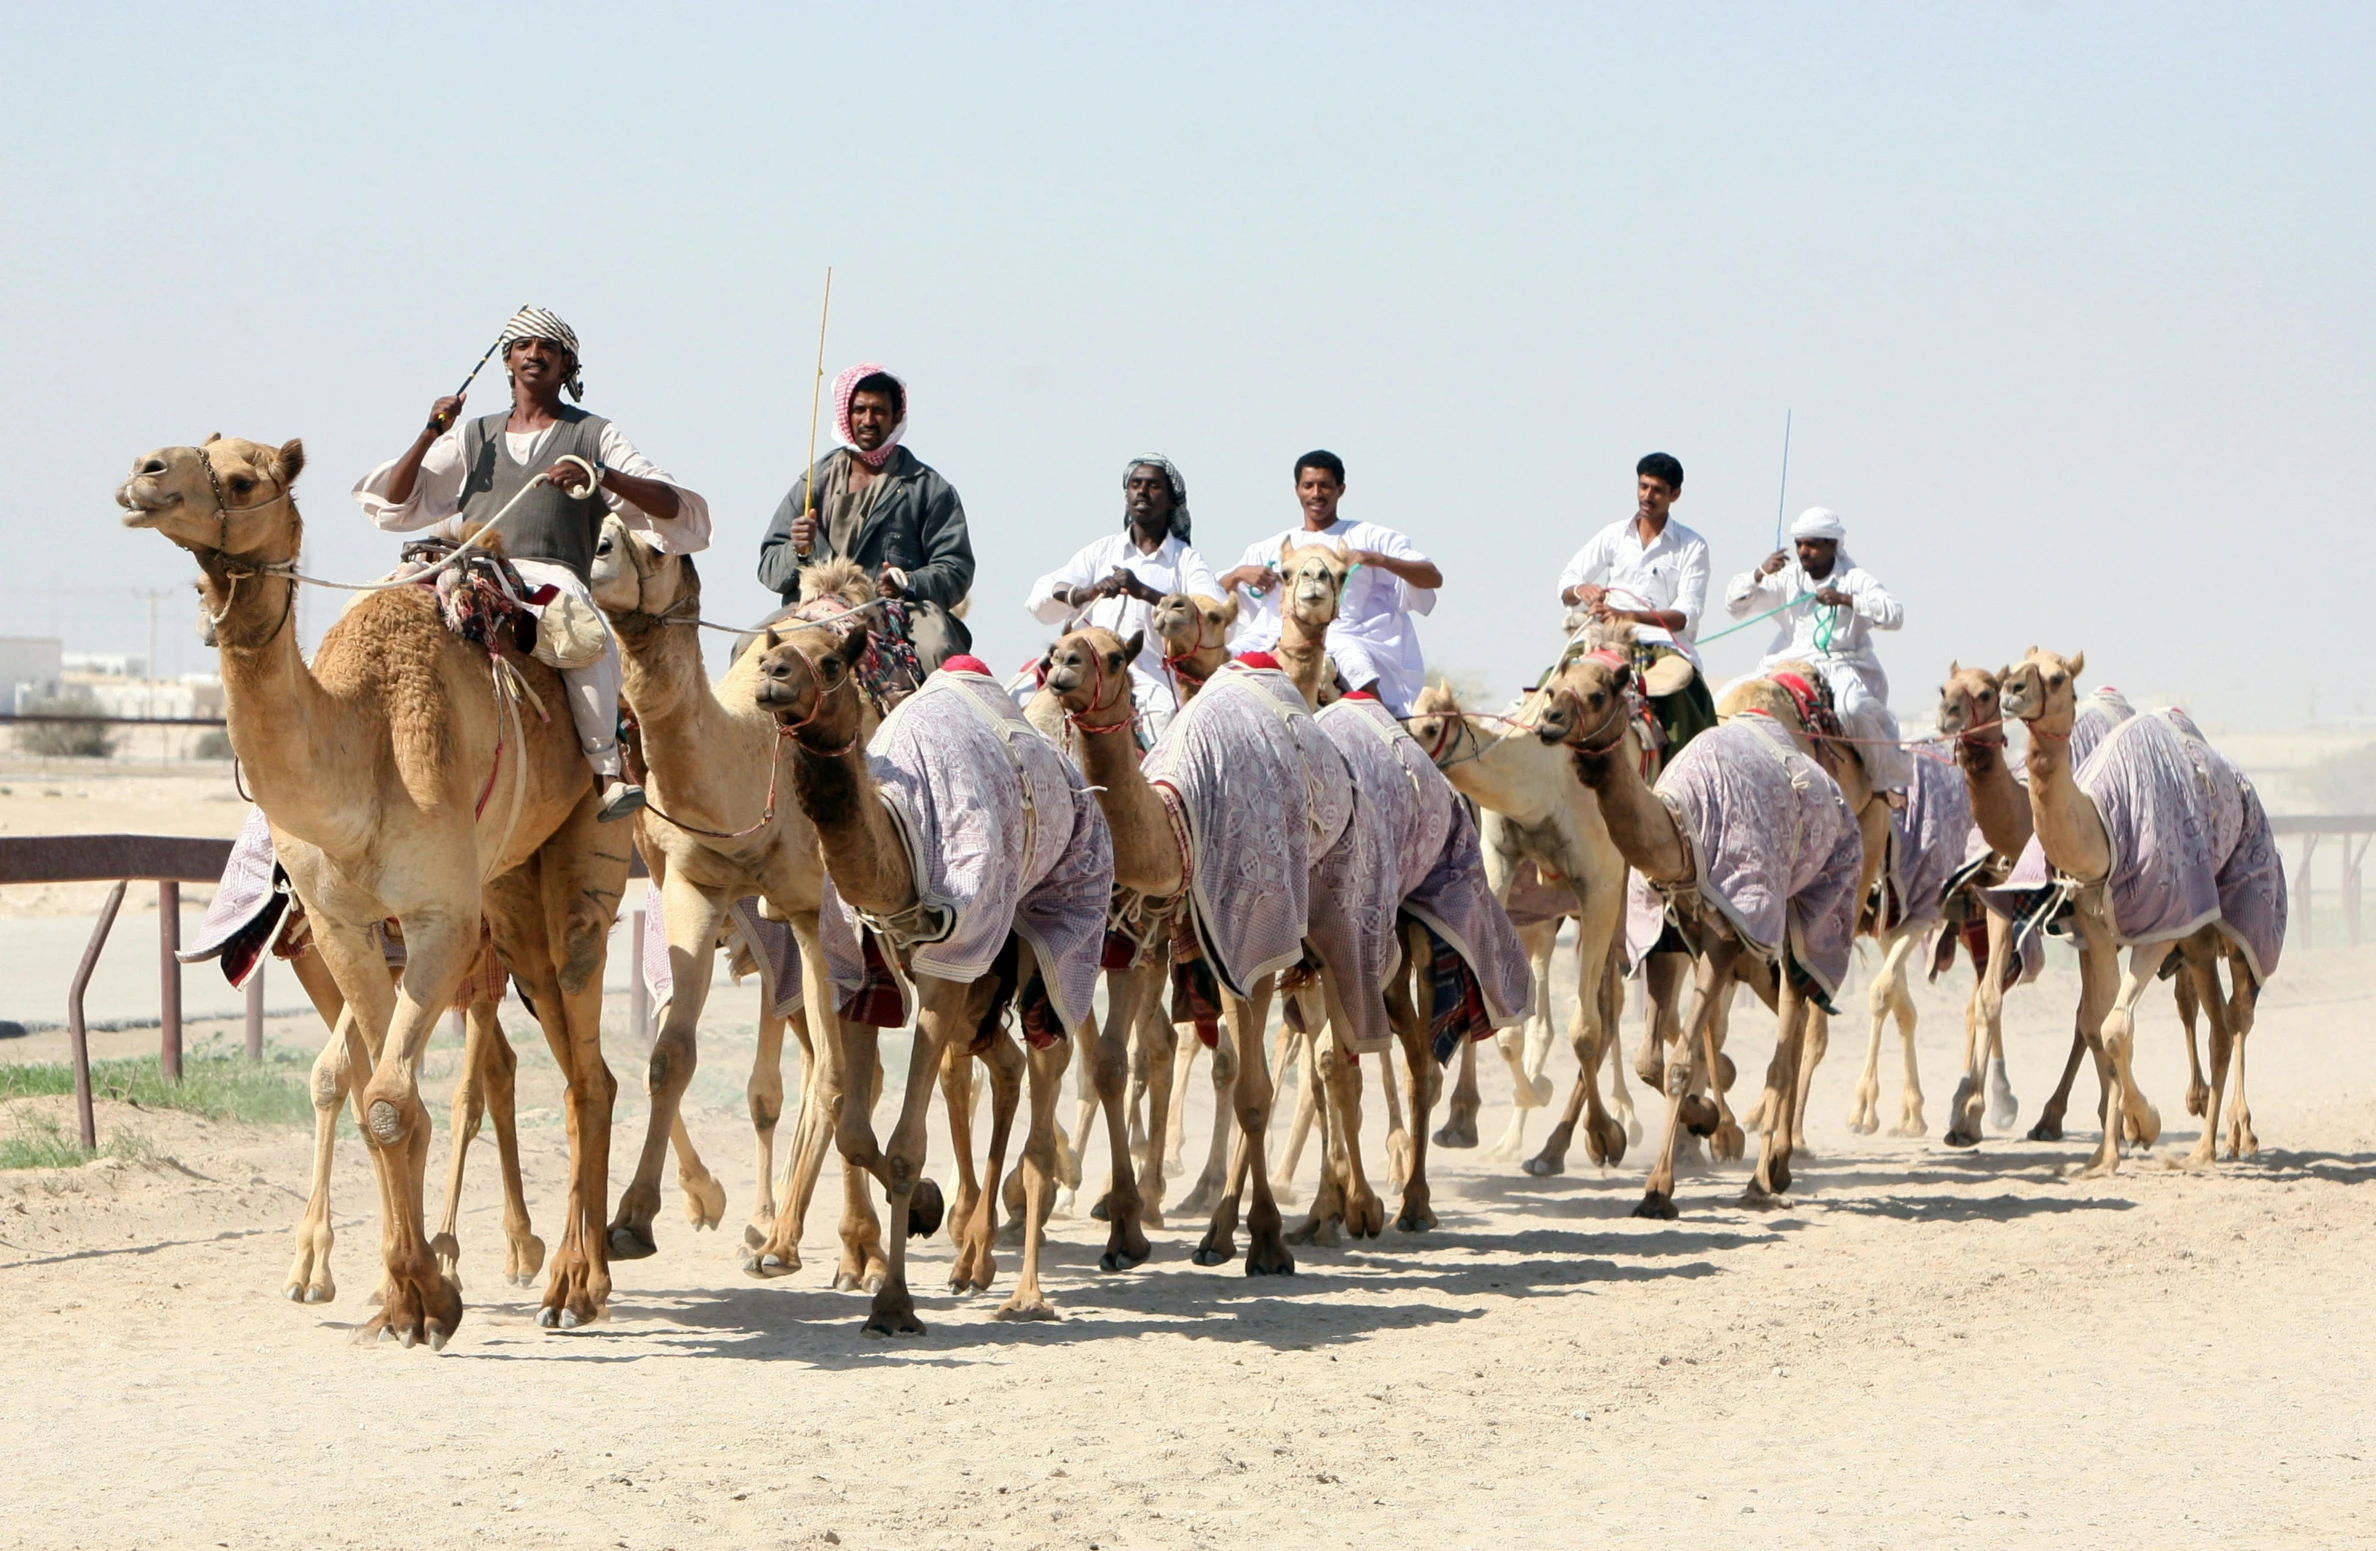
(464, 473)
(1373, 644)
(1115, 583)
(1652, 570)
(1829, 609)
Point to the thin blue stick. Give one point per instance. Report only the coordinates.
(1782, 499)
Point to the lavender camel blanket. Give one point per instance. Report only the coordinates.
(1773, 847)
(2024, 887)
(1435, 862)
(1266, 798)
(1928, 843)
(2190, 843)
(1003, 835)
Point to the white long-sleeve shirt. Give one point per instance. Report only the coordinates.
(1799, 629)
(437, 491)
(1173, 567)
(1670, 572)
(1373, 628)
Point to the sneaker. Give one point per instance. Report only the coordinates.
(620, 799)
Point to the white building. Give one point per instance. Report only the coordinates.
(30, 667)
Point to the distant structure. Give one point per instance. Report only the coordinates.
(31, 670)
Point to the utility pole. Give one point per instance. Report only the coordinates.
(153, 594)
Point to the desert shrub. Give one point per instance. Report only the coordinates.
(66, 740)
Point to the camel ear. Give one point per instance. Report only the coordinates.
(212, 437)
(1344, 552)
(2078, 661)
(1229, 609)
(769, 640)
(292, 455)
(1132, 647)
(1954, 666)
(853, 645)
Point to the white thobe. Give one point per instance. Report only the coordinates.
(437, 500)
(1373, 637)
(1838, 643)
(1174, 567)
(1670, 572)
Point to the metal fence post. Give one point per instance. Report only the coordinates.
(169, 1040)
(255, 1010)
(77, 1036)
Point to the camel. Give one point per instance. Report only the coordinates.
(1792, 845)
(1014, 906)
(717, 830)
(2158, 804)
(1538, 813)
(382, 769)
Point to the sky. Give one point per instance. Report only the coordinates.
(2067, 305)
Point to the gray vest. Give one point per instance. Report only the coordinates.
(549, 524)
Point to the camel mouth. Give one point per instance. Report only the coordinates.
(143, 503)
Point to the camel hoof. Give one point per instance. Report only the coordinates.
(1540, 1087)
(1124, 1258)
(2003, 1107)
(1728, 1144)
(1215, 1252)
(705, 1202)
(1611, 1139)
(1726, 1072)
(1103, 1210)
(1960, 1139)
(1418, 1218)
(1699, 1114)
(632, 1241)
(1015, 1310)
(1863, 1125)
(924, 1214)
(1758, 1199)
(1545, 1164)
(2047, 1130)
(1657, 1205)
(892, 1321)
(1909, 1128)
(754, 1236)
(770, 1264)
(1269, 1259)
(2149, 1129)
(1458, 1130)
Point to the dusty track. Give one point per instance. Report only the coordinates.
(1926, 1347)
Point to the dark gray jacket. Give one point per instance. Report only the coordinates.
(916, 523)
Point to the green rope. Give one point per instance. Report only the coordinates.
(1753, 619)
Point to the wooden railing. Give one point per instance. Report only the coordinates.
(2351, 834)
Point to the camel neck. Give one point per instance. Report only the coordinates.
(290, 735)
(1642, 827)
(1999, 806)
(2068, 826)
(705, 762)
(1303, 653)
(1146, 858)
(863, 852)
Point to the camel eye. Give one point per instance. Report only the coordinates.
(241, 484)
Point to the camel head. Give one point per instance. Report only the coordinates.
(1968, 710)
(638, 584)
(1315, 581)
(228, 497)
(1191, 624)
(1587, 710)
(2043, 690)
(1437, 722)
(1089, 674)
(808, 682)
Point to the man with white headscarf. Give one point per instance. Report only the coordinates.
(461, 474)
(879, 505)
(1829, 608)
(1115, 583)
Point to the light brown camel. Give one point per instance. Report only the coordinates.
(719, 827)
(383, 771)
(1591, 715)
(1089, 674)
(2042, 692)
(808, 682)
(1553, 822)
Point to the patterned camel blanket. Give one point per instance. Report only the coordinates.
(1927, 844)
(1004, 837)
(1435, 862)
(1772, 844)
(1266, 798)
(2190, 843)
(2022, 894)
(754, 944)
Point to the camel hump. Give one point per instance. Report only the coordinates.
(836, 578)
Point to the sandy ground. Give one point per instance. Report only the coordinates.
(1925, 1346)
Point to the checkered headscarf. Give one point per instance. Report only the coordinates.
(538, 323)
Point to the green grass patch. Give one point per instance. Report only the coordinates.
(217, 1086)
(39, 1142)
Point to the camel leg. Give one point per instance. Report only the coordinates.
(1362, 1214)
(1662, 981)
(2241, 1141)
(1715, 975)
(1038, 1169)
(2200, 979)
(1413, 1014)
(1160, 1036)
(1109, 1074)
(1398, 1135)
(1814, 1039)
(309, 1279)
(865, 1263)
(1984, 1035)
(826, 1084)
(420, 1302)
(1319, 1109)
(1266, 1254)
(1864, 1106)
(1460, 1115)
(1612, 1006)
(1293, 1049)
(693, 914)
(481, 1034)
(2185, 992)
(1183, 1062)
(763, 1094)
(957, 1094)
(1783, 1080)
(1209, 1184)
(1072, 1152)
(913, 1206)
(1007, 1066)
(2128, 1108)
(524, 1252)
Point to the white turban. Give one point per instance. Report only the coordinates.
(1819, 522)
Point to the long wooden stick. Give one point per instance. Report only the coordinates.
(1782, 499)
(816, 394)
